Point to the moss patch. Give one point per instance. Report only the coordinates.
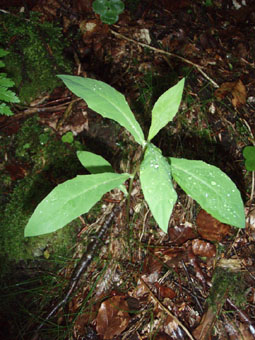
(50, 163)
(36, 54)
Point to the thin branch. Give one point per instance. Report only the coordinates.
(157, 50)
(179, 323)
(82, 266)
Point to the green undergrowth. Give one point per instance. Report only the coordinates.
(47, 163)
(30, 267)
(26, 292)
(36, 54)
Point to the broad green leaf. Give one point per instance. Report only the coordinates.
(157, 186)
(211, 188)
(249, 155)
(96, 164)
(69, 200)
(106, 101)
(166, 108)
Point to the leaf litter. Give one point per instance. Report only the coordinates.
(143, 283)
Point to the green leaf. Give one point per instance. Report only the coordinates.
(5, 82)
(106, 101)
(103, 7)
(8, 96)
(157, 186)
(5, 110)
(67, 137)
(69, 200)
(3, 53)
(96, 164)
(211, 188)
(109, 18)
(249, 155)
(166, 108)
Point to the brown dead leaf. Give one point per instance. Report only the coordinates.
(171, 327)
(112, 318)
(237, 89)
(181, 233)
(164, 291)
(152, 265)
(210, 228)
(244, 332)
(203, 330)
(203, 248)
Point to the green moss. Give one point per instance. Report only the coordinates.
(13, 245)
(50, 162)
(226, 284)
(36, 54)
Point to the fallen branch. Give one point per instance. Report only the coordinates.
(157, 50)
(81, 267)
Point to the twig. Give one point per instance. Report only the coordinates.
(157, 50)
(81, 267)
(243, 316)
(34, 110)
(166, 310)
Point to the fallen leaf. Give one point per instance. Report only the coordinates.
(237, 89)
(112, 318)
(203, 330)
(203, 248)
(230, 264)
(210, 228)
(164, 291)
(181, 233)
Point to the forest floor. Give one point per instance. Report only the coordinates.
(197, 281)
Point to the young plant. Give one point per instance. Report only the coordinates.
(208, 185)
(108, 10)
(6, 95)
(249, 155)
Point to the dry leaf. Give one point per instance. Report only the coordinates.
(203, 330)
(203, 248)
(164, 291)
(181, 233)
(237, 89)
(112, 318)
(210, 228)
